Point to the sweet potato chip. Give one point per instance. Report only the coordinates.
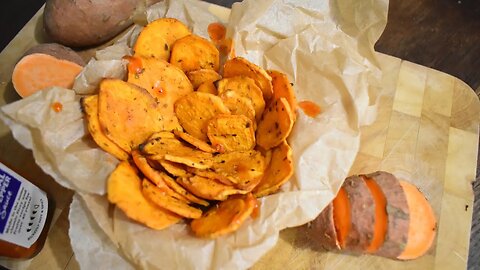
(239, 66)
(154, 176)
(198, 77)
(232, 132)
(90, 108)
(207, 87)
(239, 105)
(208, 189)
(173, 168)
(278, 172)
(245, 87)
(128, 114)
(162, 134)
(283, 88)
(193, 52)
(227, 217)
(125, 191)
(199, 144)
(198, 160)
(161, 198)
(211, 175)
(157, 38)
(275, 125)
(195, 109)
(165, 82)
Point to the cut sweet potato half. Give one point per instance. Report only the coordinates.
(342, 216)
(322, 230)
(381, 215)
(125, 191)
(157, 38)
(193, 53)
(398, 214)
(227, 217)
(423, 223)
(90, 108)
(362, 216)
(39, 71)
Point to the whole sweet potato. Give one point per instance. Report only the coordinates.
(84, 23)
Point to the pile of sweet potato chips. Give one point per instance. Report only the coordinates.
(193, 144)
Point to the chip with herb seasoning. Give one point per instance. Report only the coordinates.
(275, 124)
(193, 53)
(232, 132)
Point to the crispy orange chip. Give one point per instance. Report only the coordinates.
(283, 88)
(199, 144)
(239, 105)
(245, 87)
(227, 217)
(128, 114)
(125, 191)
(278, 172)
(207, 87)
(208, 189)
(193, 52)
(90, 107)
(157, 38)
(198, 77)
(239, 66)
(161, 198)
(173, 168)
(275, 125)
(232, 132)
(195, 109)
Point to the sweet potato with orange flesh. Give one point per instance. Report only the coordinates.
(199, 144)
(322, 230)
(36, 72)
(227, 217)
(163, 81)
(128, 114)
(124, 189)
(398, 214)
(198, 77)
(196, 109)
(90, 108)
(342, 216)
(362, 215)
(275, 124)
(244, 87)
(278, 172)
(381, 218)
(193, 53)
(422, 225)
(239, 66)
(208, 189)
(161, 198)
(58, 51)
(231, 132)
(283, 88)
(157, 38)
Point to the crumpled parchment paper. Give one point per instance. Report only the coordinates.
(325, 48)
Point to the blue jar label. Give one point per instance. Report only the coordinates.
(23, 209)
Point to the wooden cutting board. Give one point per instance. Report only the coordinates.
(426, 132)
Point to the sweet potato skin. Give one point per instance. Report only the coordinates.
(398, 214)
(362, 214)
(58, 51)
(84, 23)
(322, 230)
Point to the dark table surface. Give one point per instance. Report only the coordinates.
(441, 34)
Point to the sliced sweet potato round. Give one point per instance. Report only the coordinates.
(232, 132)
(278, 172)
(161, 197)
(166, 82)
(193, 53)
(207, 87)
(245, 87)
(199, 144)
(239, 105)
(196, 109)
(381, 216)
(322, 230)
(239, 66)
(275, 125)
(198, 77)
(90, 108)
(422, 226)
(173, 168)
(157, 38)
(128, 114)
(227, 217)
(398, 214)
(208, 189)
(362, 216)
(283, 88)
(125, 191)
